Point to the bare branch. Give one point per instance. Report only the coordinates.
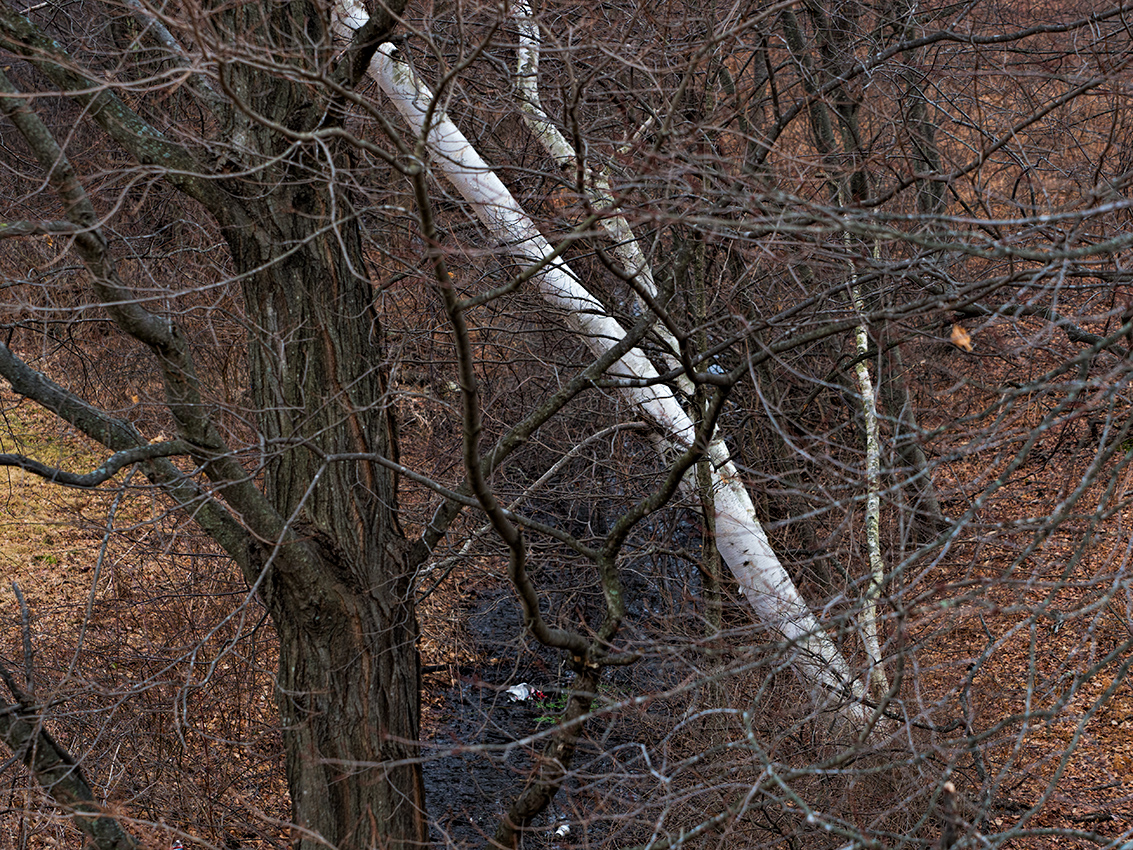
(21, 728)
(121, 436)
(104, 472)
(12, 229)
(741, 539)
(144, 142)
(161, 336)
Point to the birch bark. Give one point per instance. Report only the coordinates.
(740, 538)
(868, 617)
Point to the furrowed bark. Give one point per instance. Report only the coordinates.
(321, 540)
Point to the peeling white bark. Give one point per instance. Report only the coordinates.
(740, 537)
(868, 617)
(597, 183)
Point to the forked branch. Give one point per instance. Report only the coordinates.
(741, 538)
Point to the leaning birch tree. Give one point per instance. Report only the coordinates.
(740, 538)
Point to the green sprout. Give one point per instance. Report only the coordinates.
(550, 706)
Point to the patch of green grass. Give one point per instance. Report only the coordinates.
(551, 707)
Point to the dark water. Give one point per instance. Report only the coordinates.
(476, 767)
(486, 746)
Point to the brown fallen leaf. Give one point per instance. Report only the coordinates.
(961, 338)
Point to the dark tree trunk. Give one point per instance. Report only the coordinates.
(349, 677)
(349, 682)
(321, 540)
(348, 698)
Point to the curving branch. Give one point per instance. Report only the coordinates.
(104, 472)
(144, 142)
(121, 437)
(160, 335)
(533, 618)
(450, 561)
(365, 37)
(154, 28)
(21, 729)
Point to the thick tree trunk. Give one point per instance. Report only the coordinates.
(320, 541)
(349, 676)
(348, 698)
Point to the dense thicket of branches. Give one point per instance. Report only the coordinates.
(356, 404)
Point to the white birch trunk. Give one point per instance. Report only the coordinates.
(627, 249)
(740, 538)
(873, 504)
(596, 183)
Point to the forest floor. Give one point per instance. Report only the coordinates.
(1027, 626)
(160, 671)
